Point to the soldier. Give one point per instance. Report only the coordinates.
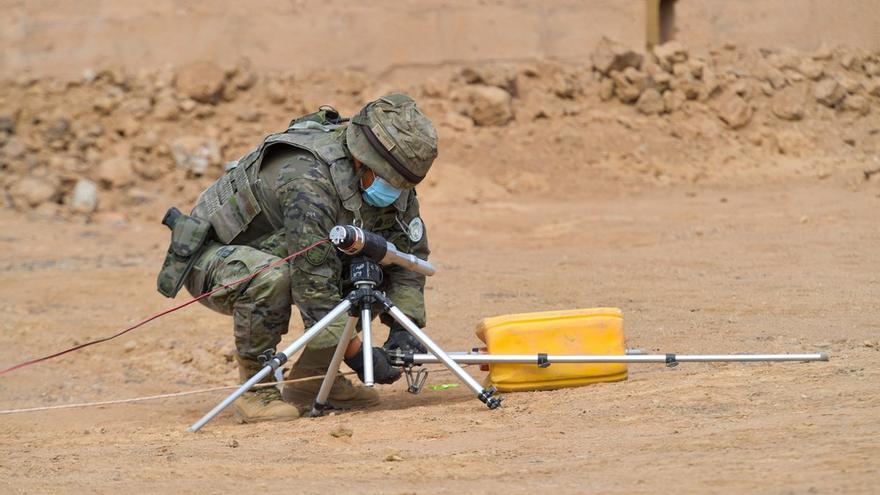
(284, 196)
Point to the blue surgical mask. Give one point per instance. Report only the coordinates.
(381, 193)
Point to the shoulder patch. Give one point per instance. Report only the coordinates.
(416, 229)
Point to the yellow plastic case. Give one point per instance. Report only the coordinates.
(577, 331)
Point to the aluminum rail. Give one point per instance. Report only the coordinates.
(476, 358)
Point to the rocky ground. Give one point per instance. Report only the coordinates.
(115, 145)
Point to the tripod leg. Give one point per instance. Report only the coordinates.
(484, 395)
(321, 400)
(367, 337)
(279, 359)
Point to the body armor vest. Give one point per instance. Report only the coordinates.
(241, 205)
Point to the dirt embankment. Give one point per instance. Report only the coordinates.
(115, 145)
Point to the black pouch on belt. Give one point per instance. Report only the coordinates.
(188, 236)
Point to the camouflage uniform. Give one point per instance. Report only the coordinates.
(311, 196)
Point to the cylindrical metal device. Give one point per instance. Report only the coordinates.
(353, 241)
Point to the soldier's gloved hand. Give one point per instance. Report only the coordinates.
(399, 338)
(383, 372)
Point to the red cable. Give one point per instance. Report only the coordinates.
(164, 312)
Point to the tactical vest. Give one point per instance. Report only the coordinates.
(241, 203)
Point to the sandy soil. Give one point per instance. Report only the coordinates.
(766, 268)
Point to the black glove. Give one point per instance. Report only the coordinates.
(399, 338)
(383, 372)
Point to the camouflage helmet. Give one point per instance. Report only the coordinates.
(394, 139)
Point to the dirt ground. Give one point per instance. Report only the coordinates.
(766, 268)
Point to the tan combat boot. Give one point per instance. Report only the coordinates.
(260, 404)
(343, 395)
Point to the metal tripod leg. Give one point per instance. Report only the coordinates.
(483, 394)
(367, 337)
(278, 360)
(321, 400)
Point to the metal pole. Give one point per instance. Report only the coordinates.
(475, 358)
(275, 362)
(447, 360)
(330, 377)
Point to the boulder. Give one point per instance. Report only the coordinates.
(84, 197)
(201, 81)
(30, 192)
(606, 89)
(829, 92)
(650, 102)
(811, 69)
(670, 53)
(856, 103)
(673, 100)
(626, 91)
(610, 55)
(195, 154)
(488, 105)
(735, 111)
(276, 93)
(115, 172)
(788, 104)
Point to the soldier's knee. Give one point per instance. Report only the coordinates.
(272, 286)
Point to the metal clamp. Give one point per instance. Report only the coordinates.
(415, 381)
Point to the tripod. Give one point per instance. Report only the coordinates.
(366, 274)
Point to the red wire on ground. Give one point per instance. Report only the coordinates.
(164, 312)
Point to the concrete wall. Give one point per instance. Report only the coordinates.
(800, 24)
(65, 36)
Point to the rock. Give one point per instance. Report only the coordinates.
(59, 130)
(105, 105)
(393, 457)
(687, 85)
(129, 346)
(735, 111)
(610, 55)
(243, 76)
(187, 105)
(166, 107)
(766, 72)
(30, 192)
(84, 197)
(872, 69)
(850, 84)
(788, 104)
(650, 102)
(201, 81)
(115, 172)
(249, 114)
(873, 88)
(606, 89)
(711, 84)
(850, 61)
(458, 121)
(14, 149)
(493, 75)
(488, 105)
(670, 53)
(742, 87)
(195, 155)
(275, 92)
(626, 91)
(824, 52)
(7, 123)
(829, 92)
(856, 103)
(341, 432)
(792, 142)
(673, 100)
(636, 78)
(811, 69)
(128, 126)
